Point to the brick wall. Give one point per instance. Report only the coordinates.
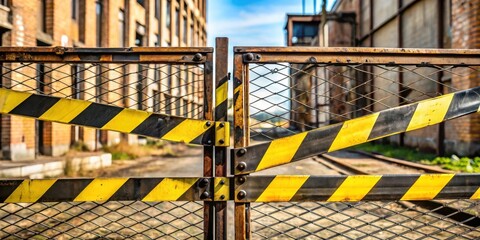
(463, 134)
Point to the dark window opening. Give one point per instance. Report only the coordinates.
(139, 35)
(156, 101)
(122, 27)
(78, 73)
(4, 3)
(177, 22)
(141, 2)
(168, 108)
(42, 16)
(157, 9)
(169, 15)
(75, 9)
(185, 29)
(99, 13)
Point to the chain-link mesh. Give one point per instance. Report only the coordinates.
(171, 89)
(108, 220)
(363, 220)
(289, 98)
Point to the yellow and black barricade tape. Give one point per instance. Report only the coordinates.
(356, 131)
(280, 188)
(107, 117)
(105, 189)
(299, 188)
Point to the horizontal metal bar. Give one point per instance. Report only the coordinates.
(105, 189)
(108, 117)
(356, 131)
(104, 55)
(296, 188)
(384, 56)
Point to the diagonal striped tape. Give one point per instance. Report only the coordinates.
(301, 188)
(102, 189)
(90, 114)
(357, 131)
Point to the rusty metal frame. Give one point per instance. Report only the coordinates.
(179, 55)
(367, 56)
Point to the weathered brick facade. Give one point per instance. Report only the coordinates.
(55, 23)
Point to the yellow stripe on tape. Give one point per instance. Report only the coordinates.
(186, 131)
(221, 94)
(65, 110)
(476, 195)
(282, 188)
(427, 186)
(170, 189)
(100, 189)
(9, 99)
(430, 112)
(353, 132)
(127, 120)
(30, 190)
(281, 151)
(354, 188)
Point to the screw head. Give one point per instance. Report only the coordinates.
(221, 125)
(204, 182)
(208, 124)
(222, 197)
(222, 182)
(209, 141)
(241, 152)
(205, 195)
(221, 141)
(241, 194)
(241, 166)
(312, 60)
(258, 57)
(197, 57)
(249, 56)
(241, 180)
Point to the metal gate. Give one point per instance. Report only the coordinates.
(288, 104)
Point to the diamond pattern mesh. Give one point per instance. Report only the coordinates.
(108, 220)
(288, 98)
(362, 220)
(161, 88)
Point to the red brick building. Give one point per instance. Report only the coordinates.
(87, 23)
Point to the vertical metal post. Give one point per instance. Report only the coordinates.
(440, 88)
(241, 137)
(401, 97)
(221, 107)
(208, 207)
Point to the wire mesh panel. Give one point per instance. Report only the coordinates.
(173, 89)
(288, 98)
(107, 220)
(363, 220)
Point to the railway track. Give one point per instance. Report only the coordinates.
(352, 167)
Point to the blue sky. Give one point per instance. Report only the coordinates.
(254, 22)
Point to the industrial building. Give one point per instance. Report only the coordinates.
(394, 24)
(97, 23)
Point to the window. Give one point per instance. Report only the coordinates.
(191, 29)
(140, 85)
(99, 13)
(169, 15)
(185, 29)
(156, 101)
(177, 22)
(139, 35)
(185, 108)
(122, 28)
(78, 73)
(74, 9)
(4, 2)
(141, 2)
(42, 16)
(168, 108)
(98, 84)
(157, 9)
